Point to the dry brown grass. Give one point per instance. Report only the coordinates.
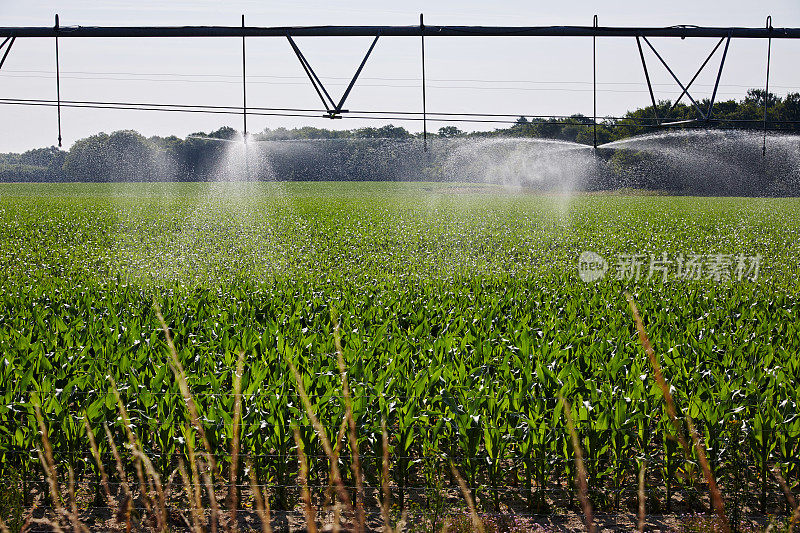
(714, 492)
(233, 491)
(581, 483)
(333, 457)
(477, 523)
(787, 491)
(642, 497)
(261, 502)
(351, 433)
(98, 461)
(308, 506)
(210, 466)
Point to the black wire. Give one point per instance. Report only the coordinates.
(394, 86)
(235, 79)
(139, 108)
(198, 106)
(145, 105)
(379, 115)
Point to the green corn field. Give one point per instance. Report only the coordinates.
(461, 319)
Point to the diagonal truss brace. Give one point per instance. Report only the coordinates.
(685, 89)
(10, 41)
(719, 75)
(333, 110)
(647, 77)
(312, 76)
(696, 74)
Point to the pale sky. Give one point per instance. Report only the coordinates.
(522, 75)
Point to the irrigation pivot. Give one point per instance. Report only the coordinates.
(334, 109)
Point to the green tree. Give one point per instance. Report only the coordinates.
(450, 131)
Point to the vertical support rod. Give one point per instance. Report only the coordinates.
(766, 88)
(244, 105)
(594, 77)
(424, 103)
(58, 85)
(244, 82)
(647, 77)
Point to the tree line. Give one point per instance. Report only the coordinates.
(363, 153)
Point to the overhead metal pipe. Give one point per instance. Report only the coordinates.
(400, 31)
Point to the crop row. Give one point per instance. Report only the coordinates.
(461, 325)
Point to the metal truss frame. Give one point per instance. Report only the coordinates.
(334, 109)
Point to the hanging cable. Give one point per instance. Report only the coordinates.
(406, 116)
(594, 78)
(244, 104)
(424, 105)
(244, 82)
(58, 86)
(415, 116)
(766, 88)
